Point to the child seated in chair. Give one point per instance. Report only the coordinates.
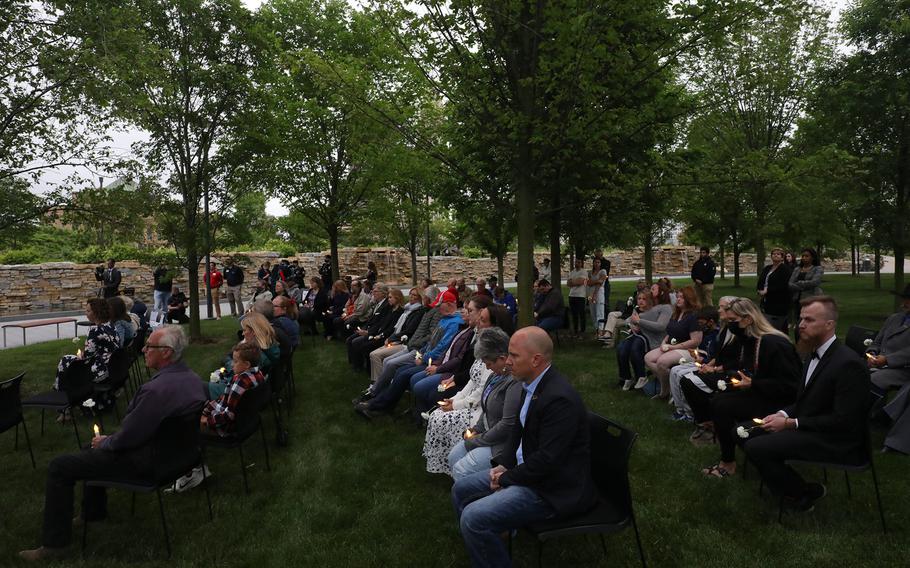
(218, 415)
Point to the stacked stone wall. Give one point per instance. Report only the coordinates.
(62, 286)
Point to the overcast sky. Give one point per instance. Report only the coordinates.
(123, 139)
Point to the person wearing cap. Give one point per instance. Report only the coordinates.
(889, 361)
(449, 325)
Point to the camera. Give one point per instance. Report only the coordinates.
(99, 273)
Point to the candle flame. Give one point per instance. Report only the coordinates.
(870, 356)
(97, 430)
(223, 369)
(388, 344)
(734, 381)
(758, 421)
(468, 433)
(441, 402)
(430, 362)
(79, 353)
(694, 353)
(697, 364)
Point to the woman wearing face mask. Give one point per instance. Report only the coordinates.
(768, 369)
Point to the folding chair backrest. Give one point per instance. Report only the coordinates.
(277, 375)
(251, 403)
(611, 447)
(856, 337)
(175, 447)
(118, 368)
(10, 403)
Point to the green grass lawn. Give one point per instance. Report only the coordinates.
(351, 493)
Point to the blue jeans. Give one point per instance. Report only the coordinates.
(161, 300)
(550, 323)
(425, 389)
(484, 514)
(631, 350)
(463, 463)
(389, 396)
(390, 366)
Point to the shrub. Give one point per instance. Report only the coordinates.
(27, 255)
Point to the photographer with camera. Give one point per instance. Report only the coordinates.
(109, 278)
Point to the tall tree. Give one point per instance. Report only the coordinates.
(177, 70)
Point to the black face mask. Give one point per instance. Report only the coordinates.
(735, 329)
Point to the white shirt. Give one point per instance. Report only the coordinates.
(578, 291)
(813, 363)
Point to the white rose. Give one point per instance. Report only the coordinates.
(77, 339)
(867, 342)
(213, 378)
(682, 361)
(673, 341)
(721, 385)
(742, 432)
(441, 388)
(89, 403)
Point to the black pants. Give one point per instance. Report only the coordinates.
(769, 451)
(359, 348)
(730, 408)
(62, 475)
(577, 310)
(307, 320)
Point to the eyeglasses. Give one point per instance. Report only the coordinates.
(150, 346)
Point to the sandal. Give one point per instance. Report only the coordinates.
(716, 471)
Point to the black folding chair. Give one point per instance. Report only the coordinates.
(175, 451)
(611, 447)
(11, 411)
(76, 387)
(856, 338)
(247, 421)
(118, 373)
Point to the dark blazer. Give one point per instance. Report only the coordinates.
(410, 323)
(835, 402)
(386, 326)
(377, 316)
(336, 304)
(556, 447)
(777, 300)
(777, 376)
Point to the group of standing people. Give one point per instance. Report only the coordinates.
(784, 283)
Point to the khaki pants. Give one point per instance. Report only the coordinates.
(704, 291)
(377, 356)
(216, 301)
(234, 301)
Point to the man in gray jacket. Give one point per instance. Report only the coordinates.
(173, 391)
(889, 354)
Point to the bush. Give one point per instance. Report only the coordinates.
(473, 252)
(281, 247)
(27, 255)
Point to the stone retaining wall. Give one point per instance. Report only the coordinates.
(60, 286)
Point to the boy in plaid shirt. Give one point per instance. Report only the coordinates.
(218, 415)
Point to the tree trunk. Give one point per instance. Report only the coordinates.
(525, 197)
(332, 231)
(736, 260)
(720, 251)
(192, 267)
(759, 254)
(555, 248)
(649, 258)
(853, 254)
(877, 258)
(501, 268)
(413, 250)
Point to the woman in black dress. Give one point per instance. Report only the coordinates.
(774, 290)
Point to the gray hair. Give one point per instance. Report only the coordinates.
(172, 336)
(382, 288)
(491, 344)
(728, 299)
(265, 308)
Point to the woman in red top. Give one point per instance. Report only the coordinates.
(215, 282)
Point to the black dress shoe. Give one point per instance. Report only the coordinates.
(814, 492)
(363, 409)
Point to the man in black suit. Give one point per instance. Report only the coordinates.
(545, 471)
(828, 420)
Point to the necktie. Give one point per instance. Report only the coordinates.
(815, 355)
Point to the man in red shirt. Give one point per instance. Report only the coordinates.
(215, 280)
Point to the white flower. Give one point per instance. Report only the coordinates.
(214, 377)
(630, 301)
(742, 432)
(682, 361)
(441, 387)
(404, 338)
(77, 339)
(721, 385)
(89, 403)
(867, 342)
(673, 341)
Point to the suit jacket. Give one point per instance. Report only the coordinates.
(385, 326)
(777, 373)
(893, 341)
(378, 315)
(556, 447)
(835, 403)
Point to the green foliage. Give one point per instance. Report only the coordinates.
(473, 252)
(27, 255)
(281, 247)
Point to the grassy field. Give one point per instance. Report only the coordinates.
(351, 493)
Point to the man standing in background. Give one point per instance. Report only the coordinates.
(703, 272)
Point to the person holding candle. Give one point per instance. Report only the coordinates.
(100, 344)
(888, 358)
(827, 421)
(768, 373)
(314, 304)
(708, 318)
(682, 335)
(545, 472)
(405, 326)
(379, 327)
(172, 391)
(256, 331)
(499, 403)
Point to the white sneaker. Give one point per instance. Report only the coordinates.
(642, 381)
(191, 480)
(627, 384)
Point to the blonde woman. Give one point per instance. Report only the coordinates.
(256, 329)
(767, 371)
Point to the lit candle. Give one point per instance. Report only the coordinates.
(468, 433)
(441, 402)
(430, 362)
(734, 381)
(758, 421)
(388, 344)
(97, 430)
(870, 356)
(79, 353)
(697, 364)
(223, 370)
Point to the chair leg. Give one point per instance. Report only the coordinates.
(76, 430)
(42, 422)
(780, 511)
(847, 481)
(208, 497)
(246, 484)
(16, 440)
(167, 540)
(641, 551)
(539, 553)
(878, 498)
(133, 505)
(28, 441)
(84, 532)
(825, 472)
(603, 543)
(265, 447)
